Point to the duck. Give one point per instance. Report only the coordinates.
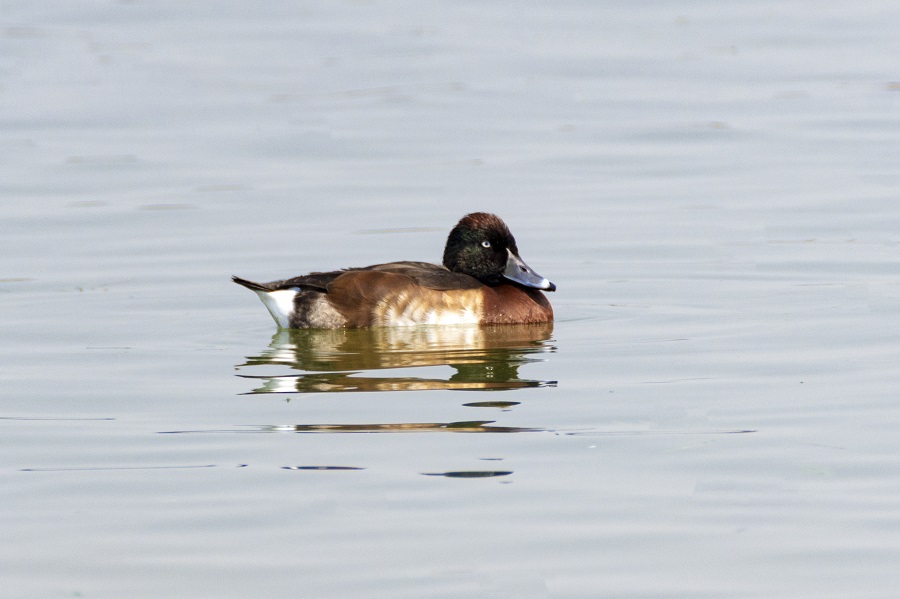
(482, 281)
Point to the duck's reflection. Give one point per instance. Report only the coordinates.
(467, 426)
(481, 358)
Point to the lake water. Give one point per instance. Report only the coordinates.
(714, 188)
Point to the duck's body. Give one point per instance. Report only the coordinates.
(483, 281)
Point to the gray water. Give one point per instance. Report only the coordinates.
(714, 188)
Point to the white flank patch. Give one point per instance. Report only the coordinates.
(447, 317)
(280, 304)
(443, 317)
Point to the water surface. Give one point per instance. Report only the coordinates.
(713, 190)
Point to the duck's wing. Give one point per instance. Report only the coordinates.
(404, 294)
(430, 276)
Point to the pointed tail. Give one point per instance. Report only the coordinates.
(250, 284)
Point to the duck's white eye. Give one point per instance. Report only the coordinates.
(485, 244)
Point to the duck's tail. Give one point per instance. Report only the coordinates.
(279, 302)
(249, 284)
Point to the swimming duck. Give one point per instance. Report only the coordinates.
(483, 280)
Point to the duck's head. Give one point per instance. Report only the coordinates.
(481, 246)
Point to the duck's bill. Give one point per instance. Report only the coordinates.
(521, 273)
